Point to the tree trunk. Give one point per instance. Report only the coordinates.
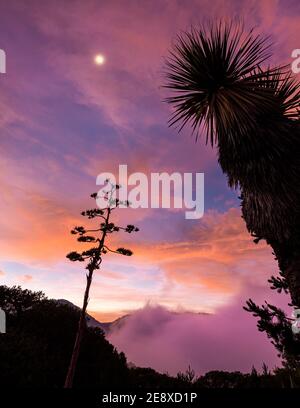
(292, 275)
(79, 335)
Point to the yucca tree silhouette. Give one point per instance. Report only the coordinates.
(250, 112)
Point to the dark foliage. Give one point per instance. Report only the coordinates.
(277, 326)
(36, 349)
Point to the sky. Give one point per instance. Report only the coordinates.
(65, 119)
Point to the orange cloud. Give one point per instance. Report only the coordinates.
(218, 254)
(35, 226)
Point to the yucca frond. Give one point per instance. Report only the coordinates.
(218, 83)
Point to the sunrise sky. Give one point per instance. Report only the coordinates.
(65, 119)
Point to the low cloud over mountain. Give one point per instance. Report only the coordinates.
(228, 340)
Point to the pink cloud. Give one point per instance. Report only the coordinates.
(167, 341)
(25, 278)
(134, 42)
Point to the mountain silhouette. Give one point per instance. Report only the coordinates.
(107, 327)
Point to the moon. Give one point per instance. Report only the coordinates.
(99, 59)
